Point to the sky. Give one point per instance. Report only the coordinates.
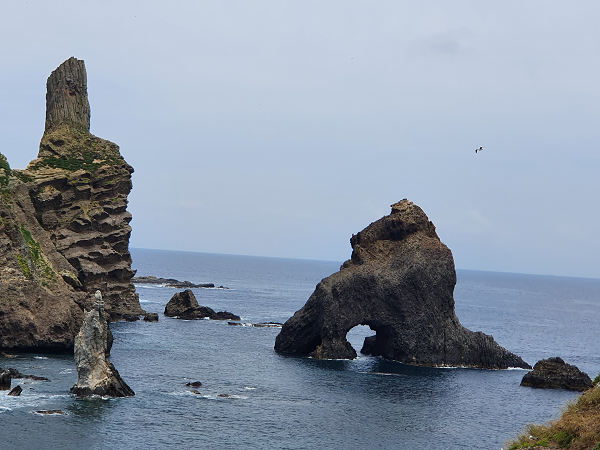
(280, 128)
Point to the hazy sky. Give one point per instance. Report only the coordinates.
(279, 128)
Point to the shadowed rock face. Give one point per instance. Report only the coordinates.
(64, 227)
(400, 282)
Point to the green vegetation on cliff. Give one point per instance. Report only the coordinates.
(8, 172)
(40, 265)
(70, 148)
(577, 429)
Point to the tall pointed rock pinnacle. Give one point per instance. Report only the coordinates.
(66, 96)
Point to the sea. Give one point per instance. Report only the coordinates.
(252, 397)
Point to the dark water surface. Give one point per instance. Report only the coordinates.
(275, 401)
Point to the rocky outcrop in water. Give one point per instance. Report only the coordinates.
(16, 375)
(554, 373)
(151, 317)
(171, 282)
(184, 305)
(16, 391)
(400, 282)
(96, 375)
(64, 227)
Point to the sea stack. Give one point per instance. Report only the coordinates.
(554, 373)
(96, 375)
(64, 226)
(400, 282)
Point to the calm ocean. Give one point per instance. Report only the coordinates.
(275, 401)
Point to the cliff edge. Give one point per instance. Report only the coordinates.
(400, 282)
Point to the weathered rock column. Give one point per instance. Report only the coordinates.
(66, 96)
(96, 375)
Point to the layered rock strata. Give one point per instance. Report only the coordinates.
(184, 305)
(64, 227)
(400, 282)
(95, 374)
(554, 373)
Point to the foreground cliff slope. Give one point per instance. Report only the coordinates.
(64, 227)
(400, 282)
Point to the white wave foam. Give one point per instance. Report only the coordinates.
(224, 397)
(49, 413)
(147, 286)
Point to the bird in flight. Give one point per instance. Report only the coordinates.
(478, 149)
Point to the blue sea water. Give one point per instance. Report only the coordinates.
(276, 401)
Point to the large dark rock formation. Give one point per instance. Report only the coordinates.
(400, 282)
(184, 305)
(95, 374)
(64, 227)
(554, 373)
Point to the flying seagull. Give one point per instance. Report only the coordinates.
(478, 149)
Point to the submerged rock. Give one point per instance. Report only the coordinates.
(151, 317)
(256, 325)
(16, 391)
(194, 384)
(96, 375)
(183, 305)
(49, 412)
(171, 282)
(399, 281)
(554, 373)
(18, 375)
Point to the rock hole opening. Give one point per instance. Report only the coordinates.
(356, 336)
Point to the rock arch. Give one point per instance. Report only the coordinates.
(400, 282)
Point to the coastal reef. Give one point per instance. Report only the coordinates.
(400, 282)
(64, 226)
(95, 374)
